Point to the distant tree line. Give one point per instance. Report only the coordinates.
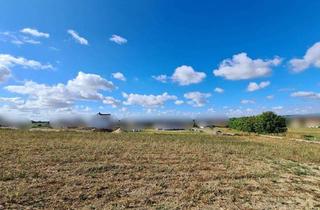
(267, 122)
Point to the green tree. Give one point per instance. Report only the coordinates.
(269, 122)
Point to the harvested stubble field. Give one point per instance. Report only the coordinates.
(90, 170)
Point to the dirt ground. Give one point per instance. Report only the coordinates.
(92, 170)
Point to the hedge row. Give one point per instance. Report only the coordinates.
(267, 122)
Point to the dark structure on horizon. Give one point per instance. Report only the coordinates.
(40, 124)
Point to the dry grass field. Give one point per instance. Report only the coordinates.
(305, 133)
(92, 170)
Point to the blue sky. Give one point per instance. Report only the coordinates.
(215, 57)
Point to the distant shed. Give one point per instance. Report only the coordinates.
(40, 124)
(102, 122)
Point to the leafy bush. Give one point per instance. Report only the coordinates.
(267, 122)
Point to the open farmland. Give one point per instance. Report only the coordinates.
(92, 170)
(305, 133)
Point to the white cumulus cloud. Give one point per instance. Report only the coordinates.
(218, 90)
(147, 100)
(255, 86)
(119, 76)
(5, 73)
(186, 75)
(118, 39)
(161, 78)
(14, 100)
(34, 32)
(86, 85)
(178, 102)
(183, 75)
(18, 38)
(83, 87)
(242, 67)
(9, 61)
(77, 37)
(196, 98)
(311, 58)
(111, 101)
